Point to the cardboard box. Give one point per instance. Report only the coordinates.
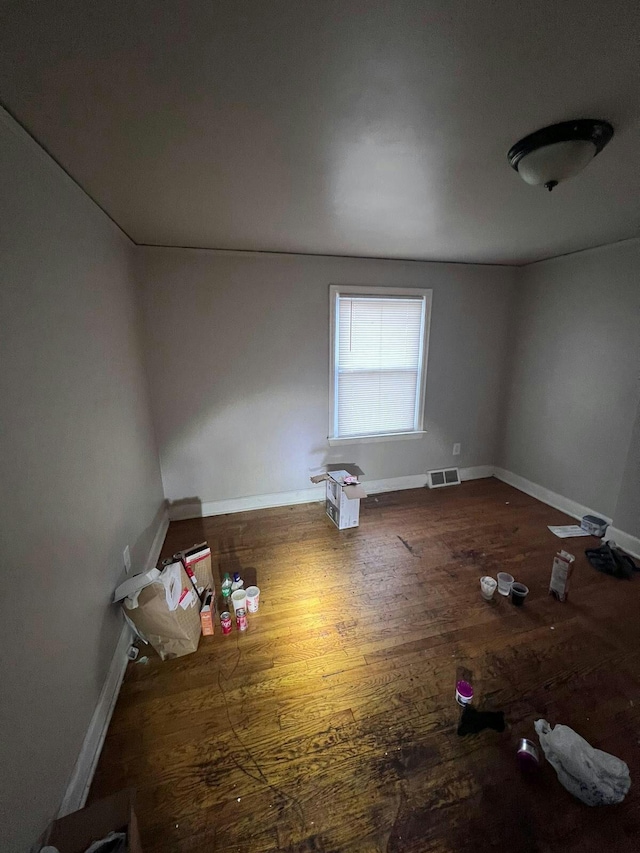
(77, 831)
(343, 494)
(207, 615)
(561, 572)
(197, 563)
(166, 613)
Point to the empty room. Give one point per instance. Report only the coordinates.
(320, 418)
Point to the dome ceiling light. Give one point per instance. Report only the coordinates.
(559, 151)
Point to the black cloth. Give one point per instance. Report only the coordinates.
(612, 560)
(473, 721)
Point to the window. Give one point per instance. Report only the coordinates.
(378, 361)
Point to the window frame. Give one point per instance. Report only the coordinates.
(375, 291)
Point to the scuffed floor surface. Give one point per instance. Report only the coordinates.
(330, 725)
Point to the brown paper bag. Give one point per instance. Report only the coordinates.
(167, 613)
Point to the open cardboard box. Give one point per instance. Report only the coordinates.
(343, 494)
(78, 830)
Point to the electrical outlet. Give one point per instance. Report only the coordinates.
(126, 559)
(456, 450)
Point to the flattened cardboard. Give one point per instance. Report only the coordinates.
(77, 831)
(169, 620)
(197, 562)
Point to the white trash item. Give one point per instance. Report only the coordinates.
(595, 777)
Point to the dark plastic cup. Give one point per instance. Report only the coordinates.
(518, 593)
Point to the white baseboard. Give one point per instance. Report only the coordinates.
(78, 788)
(480, 472)
(315, 494)
(566, 505)
(181, 510)
(395, 484)
(628, 543)
(82, 776)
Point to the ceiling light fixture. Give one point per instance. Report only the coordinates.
(559, 151)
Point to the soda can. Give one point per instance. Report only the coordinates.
(241, 619)
(225, 622)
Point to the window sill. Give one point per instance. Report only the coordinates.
(367, 439)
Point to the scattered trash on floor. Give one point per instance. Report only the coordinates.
(133, 652)
(207, 616)
(164, 608)
(504, 583)
(343, 494)
(507, 586)
(612, 560)
(568, 531)
(561, 572)
(594, 525)
(143, 660)
(473, 721)
(464, 693)
(528, 757)
(488, 587)
(519, 592)
(226, 585)
(593, 776)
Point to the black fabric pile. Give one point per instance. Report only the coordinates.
(472, 721)
(612, 560)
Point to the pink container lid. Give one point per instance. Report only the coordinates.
(465, 689)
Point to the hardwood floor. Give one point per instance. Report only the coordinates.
(331, 724)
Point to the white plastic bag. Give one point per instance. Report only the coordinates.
(595, 777)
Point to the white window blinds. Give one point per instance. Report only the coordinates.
(378, 364)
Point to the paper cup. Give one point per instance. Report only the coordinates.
(518, 593)
(253, 599)
(239, 600)
(488, 587)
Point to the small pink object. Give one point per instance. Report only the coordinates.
(464, 693)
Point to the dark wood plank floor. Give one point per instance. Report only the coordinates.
(331, 724)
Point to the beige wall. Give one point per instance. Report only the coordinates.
(575, 382)
(627, 512)
(238, 349)
(78, 470)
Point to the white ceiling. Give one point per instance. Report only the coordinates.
(332, 126)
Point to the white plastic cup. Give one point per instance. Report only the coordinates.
(504, 583)
(488, 587)
(253, 599)
(239, 600)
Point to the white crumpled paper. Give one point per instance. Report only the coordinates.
(595, 777)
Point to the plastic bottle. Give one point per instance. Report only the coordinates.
(238, 583)
(226, 588)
